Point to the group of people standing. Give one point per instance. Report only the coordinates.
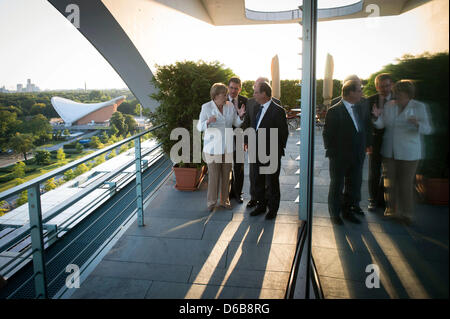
(229, 110)
(388, 127)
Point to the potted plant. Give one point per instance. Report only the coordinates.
(182, 89)
(432, 181)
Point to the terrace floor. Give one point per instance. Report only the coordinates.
(186, 252)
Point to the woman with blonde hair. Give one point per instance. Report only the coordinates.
(216, 119)
(404, 120)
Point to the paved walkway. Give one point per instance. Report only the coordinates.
(186, 252)
(413, 261)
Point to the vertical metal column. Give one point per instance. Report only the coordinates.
(140, 197)
(37, 240)
(309, 23)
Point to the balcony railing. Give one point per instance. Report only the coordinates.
(53, 240)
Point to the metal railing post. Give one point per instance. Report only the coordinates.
(37, 240)
(140, 197)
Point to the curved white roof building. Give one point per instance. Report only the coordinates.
(75, 113)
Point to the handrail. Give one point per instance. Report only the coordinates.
(41, 239)
(60, 170)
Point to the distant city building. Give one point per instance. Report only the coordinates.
(3, 90)
(74, 113)
(30, 87)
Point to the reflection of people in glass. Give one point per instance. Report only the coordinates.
(215, 116)
(383, 85)
(404, 119)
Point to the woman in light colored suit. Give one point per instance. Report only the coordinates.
(216, 119)
(404, 120)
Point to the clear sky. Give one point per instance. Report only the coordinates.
(39, 43)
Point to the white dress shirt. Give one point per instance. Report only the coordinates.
(218, 140)
(264, 110)
(349, 108)
(401, 139)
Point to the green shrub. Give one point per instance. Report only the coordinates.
(42, 157)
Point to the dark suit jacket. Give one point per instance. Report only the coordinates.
(339, 132)
(377, 133)
(250, 110)
(275, 117)
(242, 100)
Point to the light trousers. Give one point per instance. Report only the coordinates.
(399, 187)
(219, 178)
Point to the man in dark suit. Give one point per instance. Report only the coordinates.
(346, 135)
(252, 104)
(237, 177)
(268, 115)
(383, 85)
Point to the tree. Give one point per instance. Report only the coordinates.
(3, 208)
(95, 142)
(95, 95)
(104, 137)
(66, 133)
(247, 88)
(118, 120)
(19, 170)
(23, 198)
(290, 93)
(99, 159)
(113, 131)
(81, 169)
(112, 154)
(8, 126)
(60, 155)
(130, 123)
(37, 108)
(50, 184)
(68, 175)
(42, 157)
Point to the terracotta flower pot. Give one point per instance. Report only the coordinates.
(188, 179)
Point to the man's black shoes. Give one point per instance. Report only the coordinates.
(336, 220)
(258, 211)
(372, 207)
(351, 218)
(239, 199)
(356, 210)
(252, 203)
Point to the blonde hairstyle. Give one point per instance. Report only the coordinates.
(405, 86)
(216, 89)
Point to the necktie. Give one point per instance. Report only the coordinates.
(258, 115)
(356, 115)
